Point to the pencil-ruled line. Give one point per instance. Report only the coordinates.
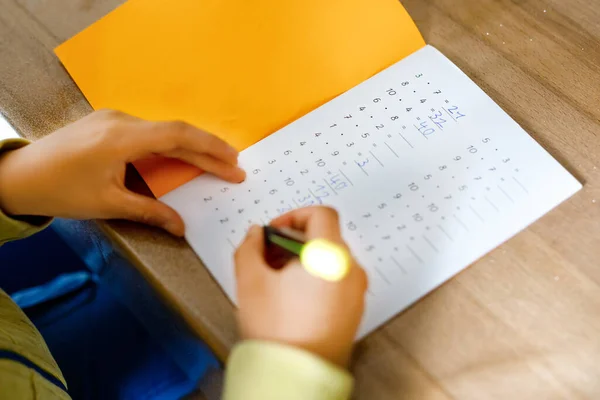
(445, 233)
(414, 253)
(382, 275)
(449, 114)
(492, 204)
(399, 265)
(231, 243)
(316, 198)
(392, 150)
(361, 168)
(425, 136)
(430, 244)
(330, 187)
(348, 179)
(460, 222)
(476, 213)
(375, 157)
(407, 142)
(506, 194)
(520, 184)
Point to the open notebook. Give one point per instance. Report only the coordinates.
(427, 172)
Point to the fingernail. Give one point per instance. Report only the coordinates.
(254, 230)
(242, 175)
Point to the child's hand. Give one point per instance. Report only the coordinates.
(291, 306)
(78, 171)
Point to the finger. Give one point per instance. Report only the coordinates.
(223, 170)
(250, 256)
(146, 210)
(147, 138)
(315, 222)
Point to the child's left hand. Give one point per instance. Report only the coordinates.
(78, 172)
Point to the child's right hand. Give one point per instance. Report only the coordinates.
(292, 307)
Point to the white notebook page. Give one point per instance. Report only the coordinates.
(427, 172)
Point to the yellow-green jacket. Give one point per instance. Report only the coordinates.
(255, 370)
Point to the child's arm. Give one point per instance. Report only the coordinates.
(298, 329)
(12, 228)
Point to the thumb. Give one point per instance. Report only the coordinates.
(146, 210)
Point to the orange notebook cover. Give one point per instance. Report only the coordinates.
(238, 69)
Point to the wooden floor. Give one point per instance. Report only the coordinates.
(522, 323)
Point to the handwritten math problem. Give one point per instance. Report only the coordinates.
(428, 174)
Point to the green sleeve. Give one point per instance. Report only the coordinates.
(12, 228)
(270, 371)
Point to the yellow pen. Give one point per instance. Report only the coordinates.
(319, 257)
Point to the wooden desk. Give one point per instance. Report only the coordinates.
(524, 322)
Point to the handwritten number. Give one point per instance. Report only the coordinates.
(454, 111)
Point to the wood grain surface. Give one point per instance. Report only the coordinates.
(523, 322)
